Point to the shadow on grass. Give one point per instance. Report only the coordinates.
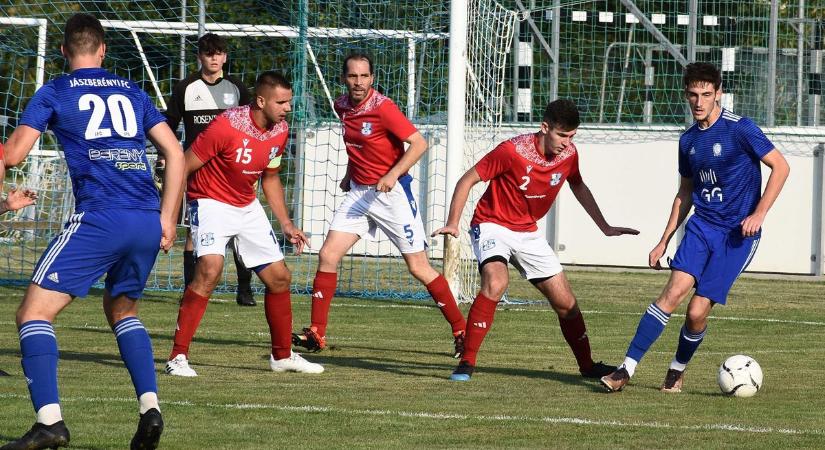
(9, 438)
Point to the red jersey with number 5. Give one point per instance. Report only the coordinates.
(374, 134)
(235, 153)
(523, 182)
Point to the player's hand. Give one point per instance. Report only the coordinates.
(655, 255)
(452, 230)
(19, 198)
(752, 224)
(344, 185)
(168, 234)
(386, 183)
(297, 237)
(618, 231)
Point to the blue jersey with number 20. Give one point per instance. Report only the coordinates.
(101, 121)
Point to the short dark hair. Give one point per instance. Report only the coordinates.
(83, 35)
(356, 56)
(702, 72)
(562, 114)
(211, 43)
(271, 79)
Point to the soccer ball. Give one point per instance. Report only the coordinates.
(740, 376)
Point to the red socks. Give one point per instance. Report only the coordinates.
(440, 291)
(278, 308)
(190, 313)
(575, 334)
(323, 289)
(479, 321)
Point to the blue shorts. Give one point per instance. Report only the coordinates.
(714, 257)
(122, 243)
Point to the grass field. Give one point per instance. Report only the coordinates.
(386, 386)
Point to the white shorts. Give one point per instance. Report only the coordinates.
(527, 251)
(214, 223)
(365, 210)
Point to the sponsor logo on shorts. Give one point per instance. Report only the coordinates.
(207, 239)
(53, 276)
(488, 244)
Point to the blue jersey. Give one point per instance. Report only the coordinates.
(101, 121)
(723, 161)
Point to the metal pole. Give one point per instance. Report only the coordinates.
(818, 238)
(770, 103)
(299, 116)
(650, 72)
(182, 72)
(800, 61)
(554, 88)
(625, 68)
(693, 11)
(815, 74)
(652, 29)
(455, 129)
(201, 17)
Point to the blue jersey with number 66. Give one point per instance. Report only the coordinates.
(101, 121)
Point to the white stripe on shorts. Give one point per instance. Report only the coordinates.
(62, 240)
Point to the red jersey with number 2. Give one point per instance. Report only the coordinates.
(235, 153)
(374, 134)
(523, 182)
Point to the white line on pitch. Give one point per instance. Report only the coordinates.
(440, 416)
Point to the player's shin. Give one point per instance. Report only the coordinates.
(651, 326)
(190, 313)
(278, 308)
(323, 289)
(38, 345)
(575, 333)
(688, 344)
(440, 291)
(479, 321)
(136, 352)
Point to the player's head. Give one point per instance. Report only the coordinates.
(83, 37)
(559, 124)
(211, 53)
(273, 96)
(703, 89)
(357, 75)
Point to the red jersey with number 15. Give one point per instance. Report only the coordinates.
(235, 153)
(374, 134)
(523, 182)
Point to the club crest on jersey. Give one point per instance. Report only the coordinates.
(366, 128)
(555, 179)
(488, 244)
(273, 153)
(207, 239)
(717, 149)
(229, 98)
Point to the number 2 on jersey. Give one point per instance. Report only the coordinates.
(523, 186)
(120, 111)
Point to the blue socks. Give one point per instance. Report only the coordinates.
(38, 345)
(136, 351)
(688, 343)
(650, 328)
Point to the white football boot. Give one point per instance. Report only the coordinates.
(295, 363)
(179, 367)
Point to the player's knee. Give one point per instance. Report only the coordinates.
(280, 281)
(494, 290)
(328, 257)
(695, 320)
(423, 272)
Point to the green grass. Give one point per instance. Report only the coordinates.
(386, 384)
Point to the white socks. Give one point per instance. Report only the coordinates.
(148, 401)
(49, 414)
(629, 365)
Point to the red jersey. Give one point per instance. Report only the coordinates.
(374, 134)
(235, 153)
(523, 183)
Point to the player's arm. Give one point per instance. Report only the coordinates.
(19, 144)
(418, 146)
(274, 192)
(588, 202)
(678, 212)
(462, 191)
(168, 146)
(17, 198)
(779, 173)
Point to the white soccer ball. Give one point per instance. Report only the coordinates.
(740, 376)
